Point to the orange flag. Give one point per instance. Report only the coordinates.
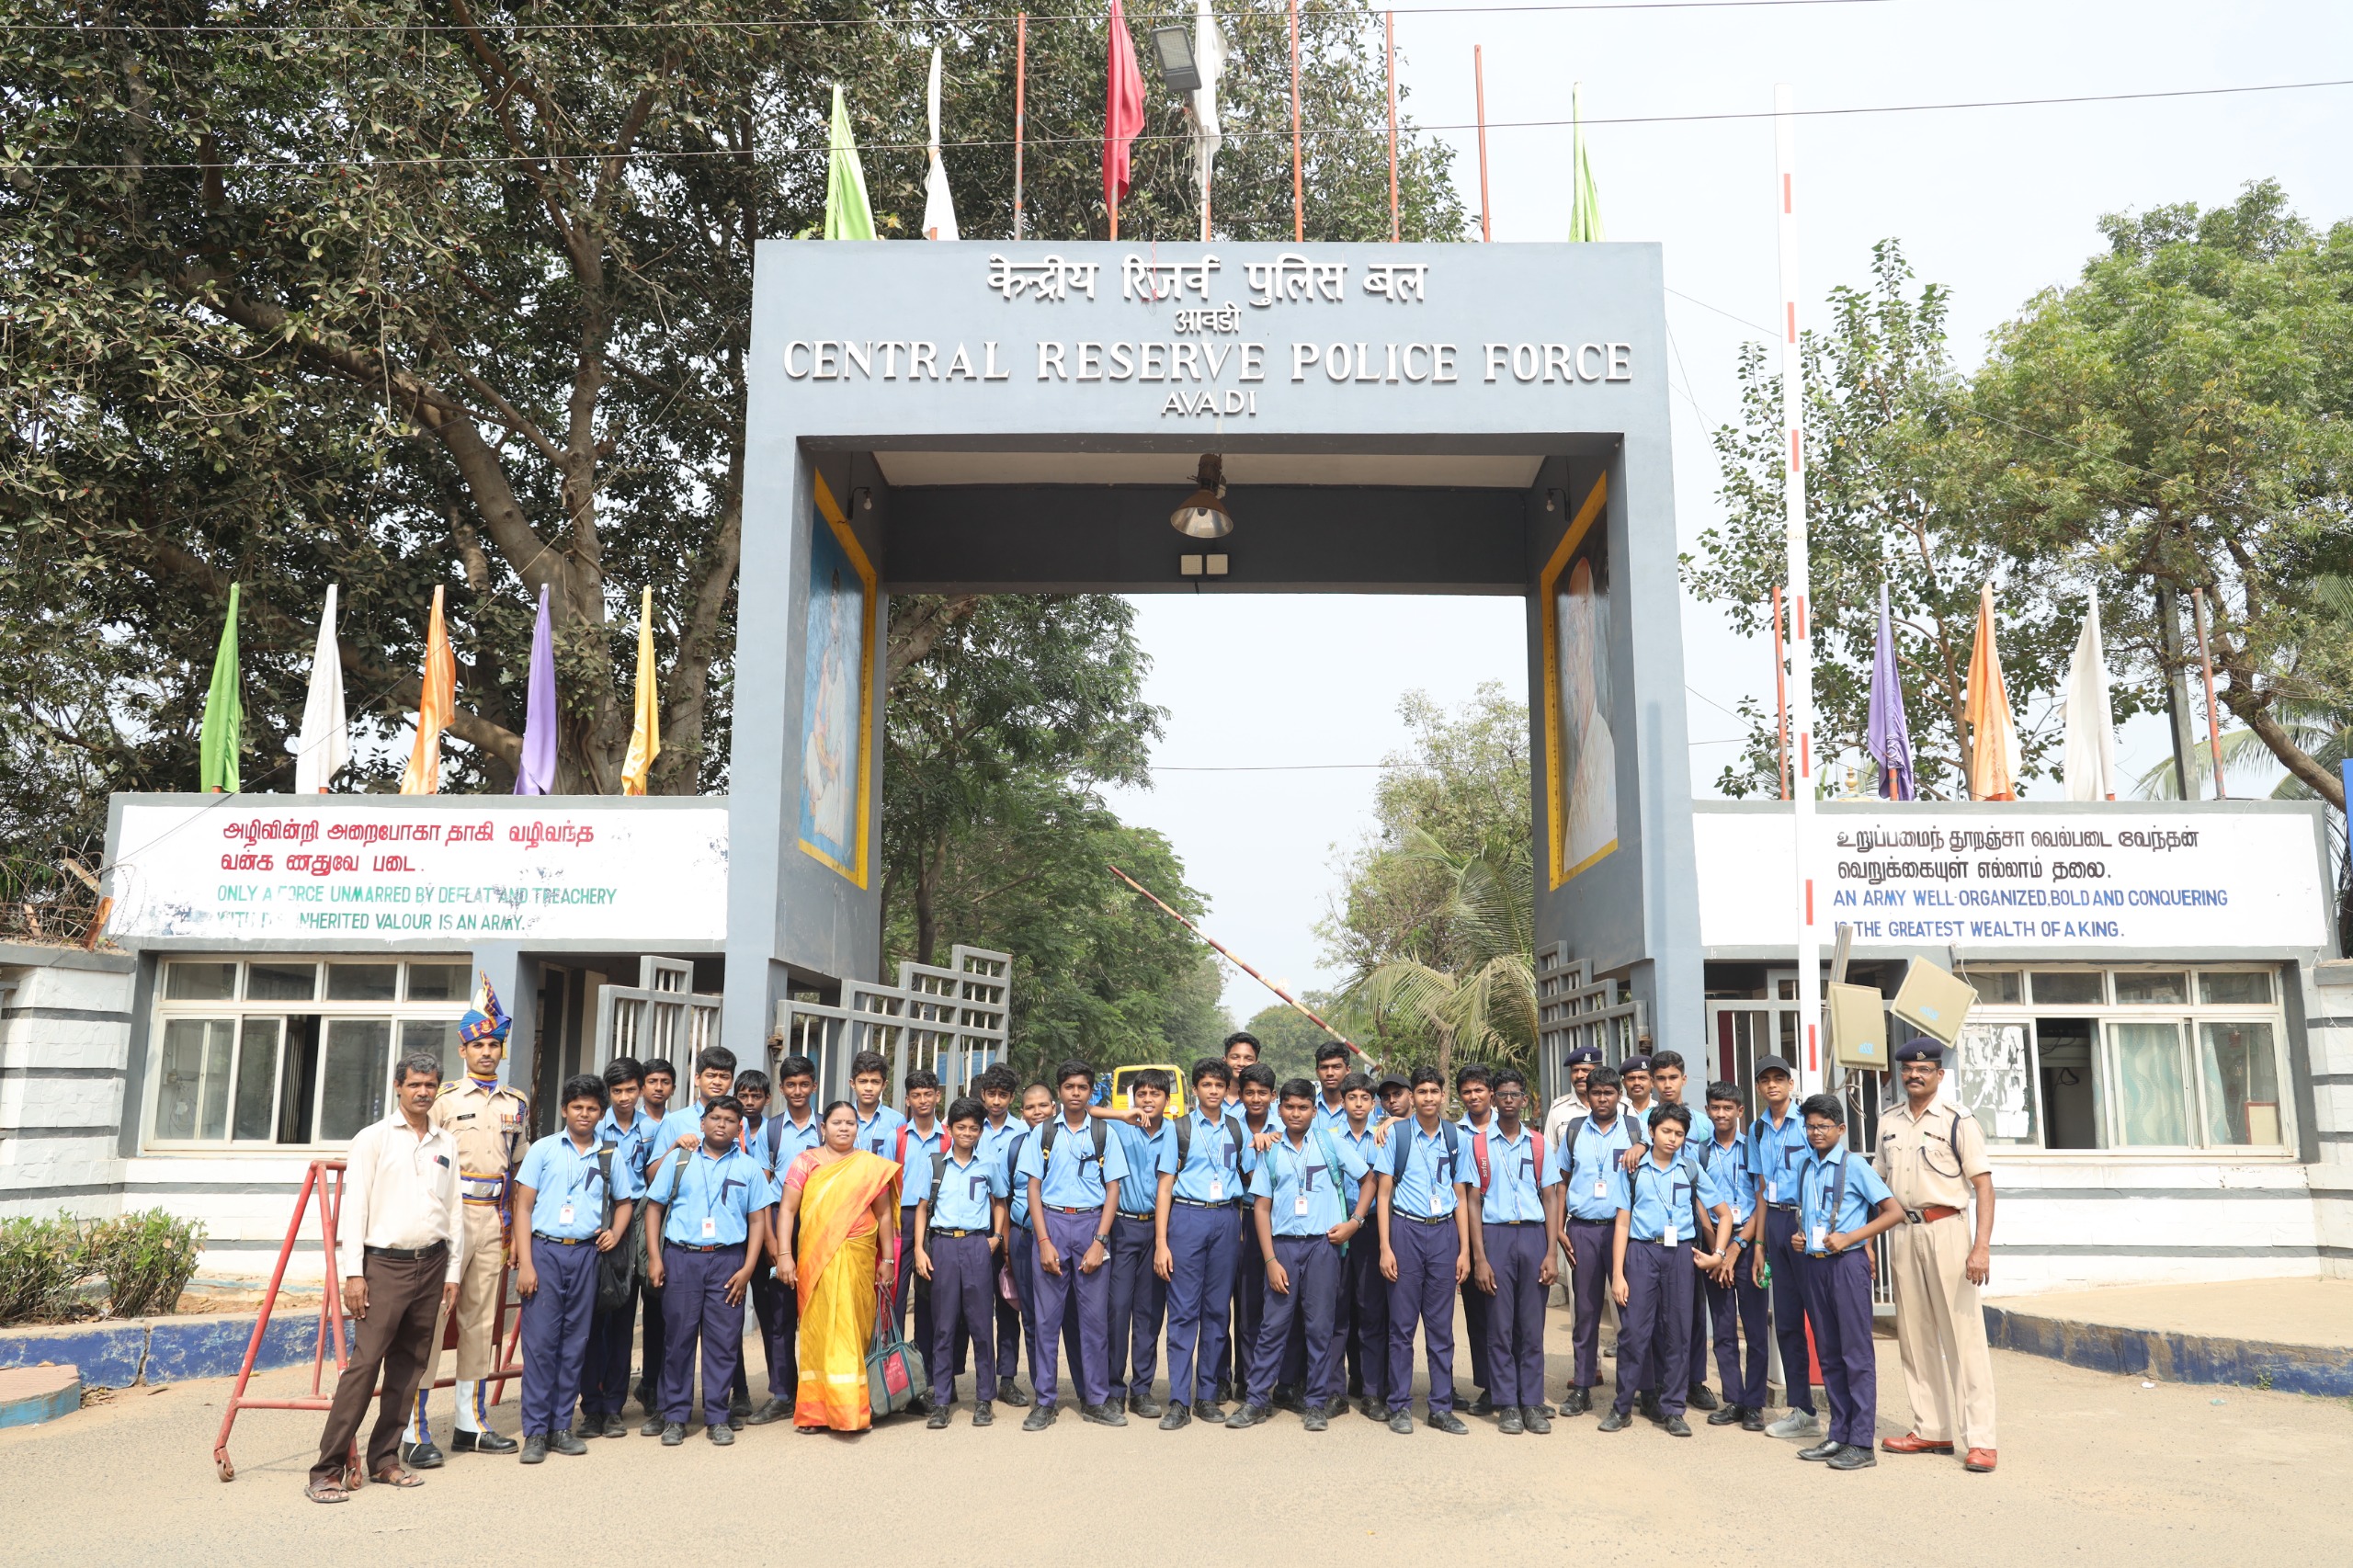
(435, 707)
(1993, 732)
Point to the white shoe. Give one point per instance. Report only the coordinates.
(1796, 1424)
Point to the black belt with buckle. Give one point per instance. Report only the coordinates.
(684, 1246)
(1499, 1224)
(960, 1232)
(561, 1240)
(407, 1255)
(1198, 1203)
(1082, 1208)
(1417, 1220)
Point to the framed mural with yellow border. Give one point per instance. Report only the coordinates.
(1580, 754)
(836, 694)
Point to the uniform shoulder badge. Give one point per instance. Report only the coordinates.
(450, 1088)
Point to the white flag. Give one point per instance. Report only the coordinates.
(939, 208)
(2089, 765)
(1209, 58)
(326, 741)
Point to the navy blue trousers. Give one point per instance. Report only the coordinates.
(1249, 1307)
(1589, 1279)
(1314, 1265)
(695, 1309)
(655, 1350)
(1139, 1302)
(914, 1290)
(1072, 1294)
(555, 1334)
(1421, 1293)
(1789, 1304)
(1655, 1329)
(1738, 1312)
(604, 1376)
(1838, 1299)
(963, 1306)
(1364, 1315)
(1515, 1313)
(1200, 1289)
(1025, 1322)
(775, 1306)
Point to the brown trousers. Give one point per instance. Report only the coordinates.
(402, 1297)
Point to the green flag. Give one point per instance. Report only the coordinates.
(1585, 214)
(225, 713)
(848, 216)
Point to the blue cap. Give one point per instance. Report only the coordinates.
(1583, 1056)
(1920, 1048)
(1635, 1064)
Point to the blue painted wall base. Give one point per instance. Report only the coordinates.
(2167, 1357)
(163, 1350)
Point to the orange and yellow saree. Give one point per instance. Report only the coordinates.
(836, 1263)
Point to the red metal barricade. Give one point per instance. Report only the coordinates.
(325, 1180)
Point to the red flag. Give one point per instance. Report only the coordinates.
(1123, 115)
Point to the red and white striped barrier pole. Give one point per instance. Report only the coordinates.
(1809, 945)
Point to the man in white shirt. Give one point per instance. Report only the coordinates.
(398, 1253)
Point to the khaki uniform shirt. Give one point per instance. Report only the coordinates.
(1929, 1160)
(492, 1129)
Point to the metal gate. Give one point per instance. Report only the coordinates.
(662, 1015)
(948, 1018)
(1571, 1010)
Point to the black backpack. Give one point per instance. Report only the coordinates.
(617, 1271)
(1405, 1142)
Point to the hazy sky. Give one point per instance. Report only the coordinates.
(1995, 203)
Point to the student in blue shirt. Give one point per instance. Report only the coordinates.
(751, 1091)
(1194, 1238)
(1425, 1248)
(1511, 1256)
(710, 1208)
(1593, 1179)
(878, 1124)
(1776, 1145)
(784, 1135)
(1300, 1226)
(1000, 1127)
(654, 1104)
(1331, 1075)
(919, 1137)
(604, 1376)
(1362, 1316)
(714, 1080)
(1021, 1240)
(1652, 1261)
(1253, 1089)
(1736, 1301)
(1474, 1085)
(960, 1225)
(1139, 1295)
(562, 1189)
(1073, 1169)
(1842, 1204)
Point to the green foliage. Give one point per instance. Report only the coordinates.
(1287, 1042)
(2179, 419)
(147, 1259)
(1888, 502)
(47, 1265)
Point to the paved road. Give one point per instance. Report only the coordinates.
(2095, 1469)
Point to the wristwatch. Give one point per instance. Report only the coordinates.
(1102, 1238)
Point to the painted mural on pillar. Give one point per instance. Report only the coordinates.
(1581, 753)
(837, 674)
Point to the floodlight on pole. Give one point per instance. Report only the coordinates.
(1177, 66)
(1203, 513)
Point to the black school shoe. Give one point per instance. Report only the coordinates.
(983, 1415)
(654, 1424)
(1178, 1414)
(1144, 1406)
(1040, 1418)
(1010, 1392)
(1700, 1397)
(772, 1409)
(482, 1442)
(567, 1443)
(937, 1420)
(1752, 1419)
(535, 1449)
(1449, 1422)
(1676, 1427)
(421, 1456)
(1247, 1415)
(1289, 1398)
(1482, 1405)
(1854, 1455)
(1731, 1414)
(1534, 1418)
(1402, 1423)
(1576, 1402)
(1370, 1408)
(1826, 1449)
(1317, 1420)
(720, 1433)
(1106, 1414)
(673, 1434)
(1511, 1424)
(1614, 1420)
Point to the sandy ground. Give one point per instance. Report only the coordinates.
(2095, 1469)
(2288, 1311)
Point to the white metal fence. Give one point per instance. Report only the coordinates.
(662, 1015)
(950, 1019)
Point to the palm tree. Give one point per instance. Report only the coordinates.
(1473, 986)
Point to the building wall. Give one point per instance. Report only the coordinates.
(2328, 1035)
(2069, 1223)
(64, 1045)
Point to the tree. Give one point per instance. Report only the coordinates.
(1473, 996)
(1287, 1042)
(2177, 420)
(434, 292)
(1885, 506)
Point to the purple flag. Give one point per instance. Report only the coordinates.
(1889, 738)
(535, 775)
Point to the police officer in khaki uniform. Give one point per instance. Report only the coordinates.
(491, 1124)
(1932, 1156)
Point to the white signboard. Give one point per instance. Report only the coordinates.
(274, 867)
(2120, 877)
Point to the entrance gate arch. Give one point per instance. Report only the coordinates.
(972, 416)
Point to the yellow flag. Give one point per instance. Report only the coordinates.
(1993, 732)
(435, 705)
(645, 739)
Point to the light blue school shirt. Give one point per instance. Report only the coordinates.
(685, 1121)
(916, 1184)
(1654, 1197)
(1286, 1175)
(633, 1143)
(1425, 1190)
(1817, 1186)
(880, 1135)
(561, 1177)
(1517, 1176)
(1366, 1149)
(1010, 1152)
(1218, 1158)
(1332, 1120)
(1140, 1194)
(1593, 1167)
(1075, 1177)
(793, 1139)
(727, 1191)
(1728, 1177)
(996, 1139)
(965, 1188)
(1774, 1154)
(753, 1140)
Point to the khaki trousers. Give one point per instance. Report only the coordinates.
(1940, 1333)
(478, 1291)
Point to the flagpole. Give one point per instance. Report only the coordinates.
(1809, 959)
(2214, 717)
(1781, 689)
(1479, 75)
(1020, 106)
(1298, 178)
(1390, 21)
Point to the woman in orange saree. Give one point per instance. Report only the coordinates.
(841, 1204)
